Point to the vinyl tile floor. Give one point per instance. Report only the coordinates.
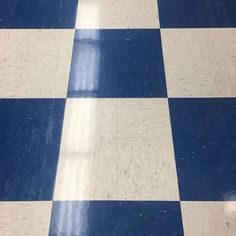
(118, 118)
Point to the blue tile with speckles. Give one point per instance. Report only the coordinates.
(117, 64)
(116, 218)
(29, 147)
(204, 135)
(197, 13)
(27, 14)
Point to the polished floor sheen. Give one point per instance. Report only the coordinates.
(118, 118)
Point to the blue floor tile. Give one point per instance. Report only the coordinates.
(37, 13)
(116, 218)
(197, 13)
(204, 134)
(27, 172)
(117, 63)
(29, 147)
(31, 121)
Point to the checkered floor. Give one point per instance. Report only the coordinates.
(118, 118)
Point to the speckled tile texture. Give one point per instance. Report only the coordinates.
(35, 63)
(117, 118)
(128, 155)
(25, 218)
(122, 14)
(200, 62)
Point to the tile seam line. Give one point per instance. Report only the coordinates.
(59, 151)
(201, 98)
(146, 28)
(65, 102)
(127, 28)
(151, 201)
(197, 28)
(58, 159)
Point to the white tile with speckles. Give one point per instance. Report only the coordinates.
(121, 14)
(200, 62)
(116, 149)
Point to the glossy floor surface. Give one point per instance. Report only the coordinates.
(118, 118)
